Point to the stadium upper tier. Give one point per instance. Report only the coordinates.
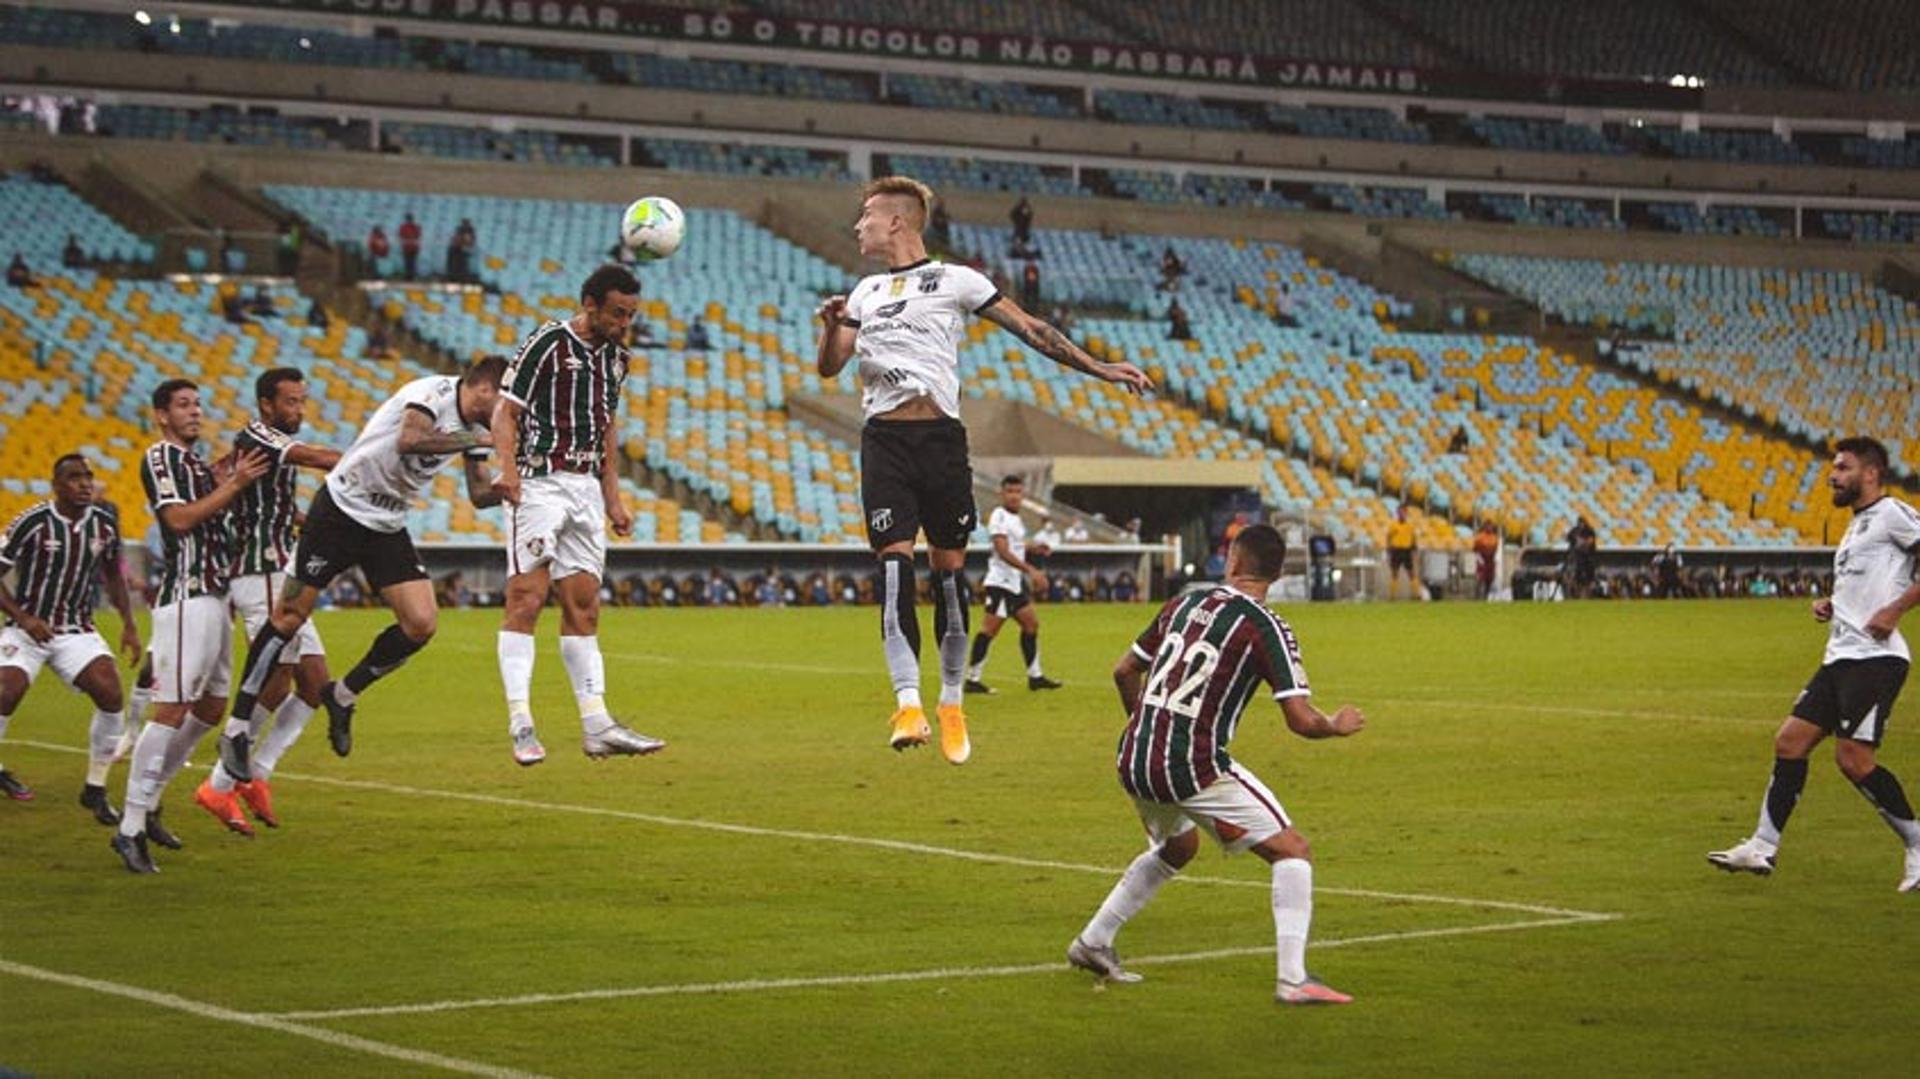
(1823, 353)
(42, 217)
(1341, 389)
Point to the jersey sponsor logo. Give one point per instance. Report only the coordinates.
(881, 519)
(890, 310)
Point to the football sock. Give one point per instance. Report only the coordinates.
(586, 669)
(103, 737)
(1883, 790)
(1138, 885)
(977, 659)
(263, 658)
(900, 628)
(144, 777)
(516, 674)
(1030, 651)
(389, 650)
(1292, 913)
(1789, 777)
(4, 720)
(186, 738)
(950, 611)
(288, 722)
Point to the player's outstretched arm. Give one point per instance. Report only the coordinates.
(482, 491)
(419, 437)
(322, 458)
(1307, 721)
(1048, 341)
(1128, 676)
(836, 337)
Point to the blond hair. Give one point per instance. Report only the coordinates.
(906, 186)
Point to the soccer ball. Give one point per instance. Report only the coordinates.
(653, 227)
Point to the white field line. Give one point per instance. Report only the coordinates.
(278, 1024)
(1409, 702)
(874, 842)
(767, 985)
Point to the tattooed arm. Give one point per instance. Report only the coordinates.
(1048, 341)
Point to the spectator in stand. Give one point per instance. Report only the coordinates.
(234, 307)
(1022, 218)
(287, 249)
(262, 305)
(697, 340)
(1283, 309)
(1178, 328)
(1171, 270)
(17, 273)
(456, 260)
(378, 249)
(1486, 552)
(410, 247)
(1583, 548)
(317, 317)
(466, 244)
(1030, 286)
(641, 334)
(71, 256)
(1460, 440)
(378, 347)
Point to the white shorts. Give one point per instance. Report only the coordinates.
(1237, 810)
(192, 650)
(70, 653)
(252, 598)
(561, 522)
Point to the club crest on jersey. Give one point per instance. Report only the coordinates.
(881, 520)
(930, 280)
(890, 310)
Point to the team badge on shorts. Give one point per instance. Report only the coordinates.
(881, 520)
(536, 546)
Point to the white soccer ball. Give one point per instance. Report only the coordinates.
(653, 227)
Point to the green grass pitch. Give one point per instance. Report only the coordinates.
(778, 894)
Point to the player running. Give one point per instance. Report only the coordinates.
(60, 551)
(264, 522)
(359, 519)
(558, 424)
(192, 630)
(1851, 696)
(1009, 576)
(1201, 660)
(905, 326)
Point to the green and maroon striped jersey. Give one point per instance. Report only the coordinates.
(1206, 653)
(57, 562)
(263, 517)
(568, 391)
(199, 561)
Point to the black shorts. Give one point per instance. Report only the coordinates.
(914, 475)
(1005, 603)
(1399, 558)
(1852, 698)
(332, 543)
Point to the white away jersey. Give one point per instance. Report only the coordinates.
(1000, 573)
(1874, 564)
(909, 323)
(375, 483)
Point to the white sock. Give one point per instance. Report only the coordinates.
(4, 720)
(137, 702)
(516, 674)
(1138, 885)
(103, 737)
(288, 722)
(586, 669)
(181, 746)
(145, 777)
(343, 696)
(1292, 913)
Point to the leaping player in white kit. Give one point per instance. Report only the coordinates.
(905, 327)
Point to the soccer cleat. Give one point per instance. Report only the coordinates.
(94, 799)
(953, 734)
(259, 799)
(619, 741)
(1102, 963)
(1311, 991)
(909, 728)
(1911, 882)
(132, 850)
(1041, 681)
(224, 807)
(1743, 857)
(974, 685)
(13, 788)
(236, 756)
(527, 750)
(158, 832)
(339, 722)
